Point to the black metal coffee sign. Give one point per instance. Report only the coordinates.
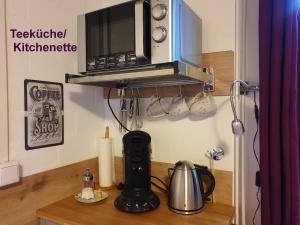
(41, 94)
(44, 125)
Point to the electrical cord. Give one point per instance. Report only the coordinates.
(258, 205)
(163, 183)
(159, 187)
(112, 111)
(256, 112)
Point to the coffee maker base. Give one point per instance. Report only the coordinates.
(137, 205)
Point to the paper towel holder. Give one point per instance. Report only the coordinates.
(108, 157)
(106, 132)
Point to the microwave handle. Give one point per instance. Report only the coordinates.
(139, 29)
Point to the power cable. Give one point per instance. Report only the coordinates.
(256, 113)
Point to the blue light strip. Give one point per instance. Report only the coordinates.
(175, 29)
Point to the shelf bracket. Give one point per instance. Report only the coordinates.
(210, 84)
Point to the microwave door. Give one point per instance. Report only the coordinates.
(81, 43)
(115, 37)
(120, 34)
(130, 29)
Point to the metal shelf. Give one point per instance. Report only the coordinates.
(166, 74)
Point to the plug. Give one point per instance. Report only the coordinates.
(257, 178)
(9, 173)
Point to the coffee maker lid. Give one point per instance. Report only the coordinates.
(137, 134)
(184, 165)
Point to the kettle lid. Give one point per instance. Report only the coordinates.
(184, 165)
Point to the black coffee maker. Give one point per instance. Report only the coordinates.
(137, 195)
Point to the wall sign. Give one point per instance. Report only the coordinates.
(44, 120)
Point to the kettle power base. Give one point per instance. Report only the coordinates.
(185, 212)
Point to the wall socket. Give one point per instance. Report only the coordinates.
(9, 173)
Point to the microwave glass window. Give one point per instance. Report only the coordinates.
(94, 45)
(111, 31)
(122, 34)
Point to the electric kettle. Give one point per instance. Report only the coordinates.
(186, 193)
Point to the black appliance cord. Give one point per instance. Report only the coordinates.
(256, 112)
(112, 111)
(159, 187)
(163, 183)
(120, 186)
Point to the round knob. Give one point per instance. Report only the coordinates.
(159, 11)
(159, 34)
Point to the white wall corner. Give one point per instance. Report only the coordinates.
(4, 154)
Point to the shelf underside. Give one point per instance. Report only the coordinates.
(168, 74)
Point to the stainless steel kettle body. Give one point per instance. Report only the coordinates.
(186, 192)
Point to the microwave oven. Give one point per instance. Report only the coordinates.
(136, 34)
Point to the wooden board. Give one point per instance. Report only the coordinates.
(18, 203)
(221, 62)
(68, 211)
(223, 190)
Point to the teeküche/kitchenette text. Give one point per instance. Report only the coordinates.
(39, 34)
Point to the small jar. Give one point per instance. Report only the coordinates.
(88, 185)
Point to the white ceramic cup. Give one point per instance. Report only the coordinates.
(156, 108)
(202, 105)
(178, 107)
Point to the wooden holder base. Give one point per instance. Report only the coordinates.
(113, 186)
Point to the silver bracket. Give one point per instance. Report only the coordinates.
(121, 92)
(209, 85)
(245, 90)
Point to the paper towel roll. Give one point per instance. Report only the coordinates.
(106, 167)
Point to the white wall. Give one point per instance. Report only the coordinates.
(3, 88)
(188, 138)
(218, 23)
(185, 139)
(84, 113)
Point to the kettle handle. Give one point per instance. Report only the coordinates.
(203, 170)
(170, 172)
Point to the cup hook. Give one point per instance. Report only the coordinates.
(156, 91)
(180, 91)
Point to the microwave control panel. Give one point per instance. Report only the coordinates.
(114, 61)
(161, 28)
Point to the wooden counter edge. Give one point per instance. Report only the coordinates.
(43, 214)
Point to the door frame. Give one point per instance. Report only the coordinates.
(246, 68)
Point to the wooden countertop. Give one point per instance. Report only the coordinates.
(70, 212)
